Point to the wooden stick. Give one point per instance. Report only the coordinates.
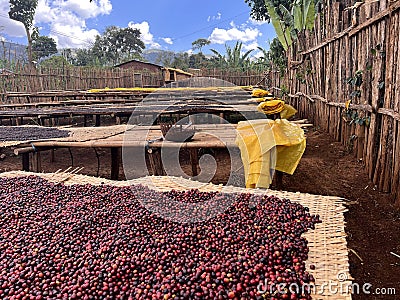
(376, 18)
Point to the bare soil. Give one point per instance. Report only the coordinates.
(327, 168)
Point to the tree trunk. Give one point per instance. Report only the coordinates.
(28, 35)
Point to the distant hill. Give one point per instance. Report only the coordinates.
(12, 52)
(154, 55)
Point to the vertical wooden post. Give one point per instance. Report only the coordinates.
(155, 162)
(25, 161)
(97, 120)
(192, 119)
(222, 117)
(52, 156)
(151, 162)
(115, 157)
(193, 160)
(36, 162)
(209, 118)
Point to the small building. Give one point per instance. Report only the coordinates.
(172, 74)
(168, 74)
(138, 65)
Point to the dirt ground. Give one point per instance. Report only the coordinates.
(373, 224)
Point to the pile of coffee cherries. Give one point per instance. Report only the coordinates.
(107, 242)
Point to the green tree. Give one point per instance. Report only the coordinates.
(83, 57)
(56, 61)
(43, 46)
(166, 58)
(181, 61)
(24, 12)
(233, 58)
(117, 45)
(259, 10)
(262, 62)
(277, 55)
(198, 61)
(199, 44)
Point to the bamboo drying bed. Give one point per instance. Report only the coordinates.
(207, 136)
(126, 93)
(126, 102)
(127, 110)
(327, 243)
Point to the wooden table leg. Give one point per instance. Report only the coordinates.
(37, 162)
(25, 161)
(97, 120)
(279, 179)
(155, 162)
(115, 157)
(194, 160)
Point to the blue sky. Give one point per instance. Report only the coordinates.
(164, 24)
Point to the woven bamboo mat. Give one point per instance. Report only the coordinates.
(327, 243)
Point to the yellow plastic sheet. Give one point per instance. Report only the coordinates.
(288, 111)
(271, 107)
(260, 93)
(268, 145)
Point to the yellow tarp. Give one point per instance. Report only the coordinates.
(268, 145)
(287, 112)
(271, 107)
(165, 89)
(258, 93)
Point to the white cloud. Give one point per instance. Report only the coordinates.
(72, 35)
(252, 46)
(44, 13)
(66, 20)
(214, 18)
(85, 9)
(243, 34)
(8, 26)
(257, 54)
(255, 22)
(168, 40)
(145, 34)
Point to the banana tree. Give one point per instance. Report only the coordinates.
(233, 57)
(292, 25)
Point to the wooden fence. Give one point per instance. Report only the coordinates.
(353, 53)
(237, 77)
(21, 78)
